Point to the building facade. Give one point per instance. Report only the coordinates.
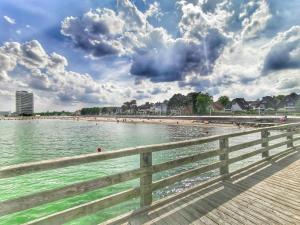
(24, 103)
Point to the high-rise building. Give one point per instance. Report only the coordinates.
(24, 103)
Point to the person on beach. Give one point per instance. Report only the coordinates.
(283, 119)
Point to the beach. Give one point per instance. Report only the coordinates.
(163, 120)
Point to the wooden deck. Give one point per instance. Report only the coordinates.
(265, 194)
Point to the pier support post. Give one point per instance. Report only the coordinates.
(264, 136)
(224, 144)
(146, 180)
(290, 137)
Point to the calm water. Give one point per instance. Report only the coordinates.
(27, 141)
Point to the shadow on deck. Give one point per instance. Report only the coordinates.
(268, 193)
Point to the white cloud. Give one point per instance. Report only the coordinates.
(9, 20)
(257, 22)
(47, 74)
(154, 10)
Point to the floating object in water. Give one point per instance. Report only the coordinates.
(99, 150)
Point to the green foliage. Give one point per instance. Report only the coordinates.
(192, 99)
(55, 113)
(177, 100)
(104, 110)
(204, 100)
(297, 106)
(90, 111)
(224, 100)
(279, 98)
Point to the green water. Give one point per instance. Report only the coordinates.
(27, 141)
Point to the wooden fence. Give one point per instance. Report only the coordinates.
(144, 172)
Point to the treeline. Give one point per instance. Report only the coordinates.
(55, 113)
(195, 102)
(91, 111)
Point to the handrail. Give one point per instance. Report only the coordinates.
(25, 168)
(144, 173)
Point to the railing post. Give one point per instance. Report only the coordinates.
(223, 143)
(146, 180)
(264, 136)
(290, 137)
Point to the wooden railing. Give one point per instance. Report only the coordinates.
(144, 172)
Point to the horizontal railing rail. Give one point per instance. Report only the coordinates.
(144, 172)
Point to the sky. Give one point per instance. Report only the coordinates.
(73, 54)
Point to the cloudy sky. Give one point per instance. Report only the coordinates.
(74, 53)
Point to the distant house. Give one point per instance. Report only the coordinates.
(289, 102)
(111, 110)
(253, 104)
(216, 106)
(268, 103)
(118, 110)
(77, 113)
(237, 104)
(146, 109)
(160, 108)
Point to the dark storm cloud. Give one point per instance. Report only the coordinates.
(174, 62)
(157, 90)
(97, 49)
(95, 32)
(284, 54)
(279, 59)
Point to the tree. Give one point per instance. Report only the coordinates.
(104, 110)
(297, 106)
(204, 100)
(192, 99)
(90, 111)
(224, 100)
(177, 100)
(279, 98)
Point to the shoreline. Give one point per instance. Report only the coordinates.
(165, 121)
(206, 121)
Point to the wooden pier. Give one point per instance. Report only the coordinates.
(264, 192)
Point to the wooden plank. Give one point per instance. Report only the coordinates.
(185, 160)
(290, 137)
(256, 208)
(187, 174)
(235, 211)
(224, 144)
(245, 145)
(265, 143)
(15, 170)
(265, 201)
(278, 136)
(86, 209)
(266, 195)
(256, 152)
(146, 179)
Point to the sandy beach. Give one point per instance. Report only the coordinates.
(168, 121)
